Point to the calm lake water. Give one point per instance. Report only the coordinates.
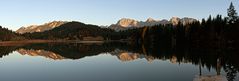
(113, 62)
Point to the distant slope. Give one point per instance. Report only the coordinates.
(40, 28)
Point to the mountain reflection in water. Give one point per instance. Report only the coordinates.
(211, 58)
(46, 54)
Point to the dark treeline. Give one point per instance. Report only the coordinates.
(213, 32)
(6, 35)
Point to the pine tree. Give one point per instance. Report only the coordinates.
(232, 14)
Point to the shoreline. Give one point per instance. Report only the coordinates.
(24, 42)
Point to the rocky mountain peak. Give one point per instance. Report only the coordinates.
(126, 22)
(40, 28)
(150, 20)
(175, 20)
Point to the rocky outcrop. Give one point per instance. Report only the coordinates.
(40, 28)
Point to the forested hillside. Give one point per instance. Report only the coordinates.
(8, 35)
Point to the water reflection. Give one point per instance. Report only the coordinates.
(46, 54)
(212, 59)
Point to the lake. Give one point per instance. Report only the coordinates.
(115, 62)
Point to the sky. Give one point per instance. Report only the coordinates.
(17, 13)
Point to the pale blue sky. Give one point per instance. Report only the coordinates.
(17, 13)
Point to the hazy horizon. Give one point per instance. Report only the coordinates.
(18, 13)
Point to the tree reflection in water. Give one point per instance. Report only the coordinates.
(211, 58)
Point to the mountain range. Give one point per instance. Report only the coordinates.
(127, 23)
(122, 24)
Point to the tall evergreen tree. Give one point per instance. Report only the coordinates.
(232, 14)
